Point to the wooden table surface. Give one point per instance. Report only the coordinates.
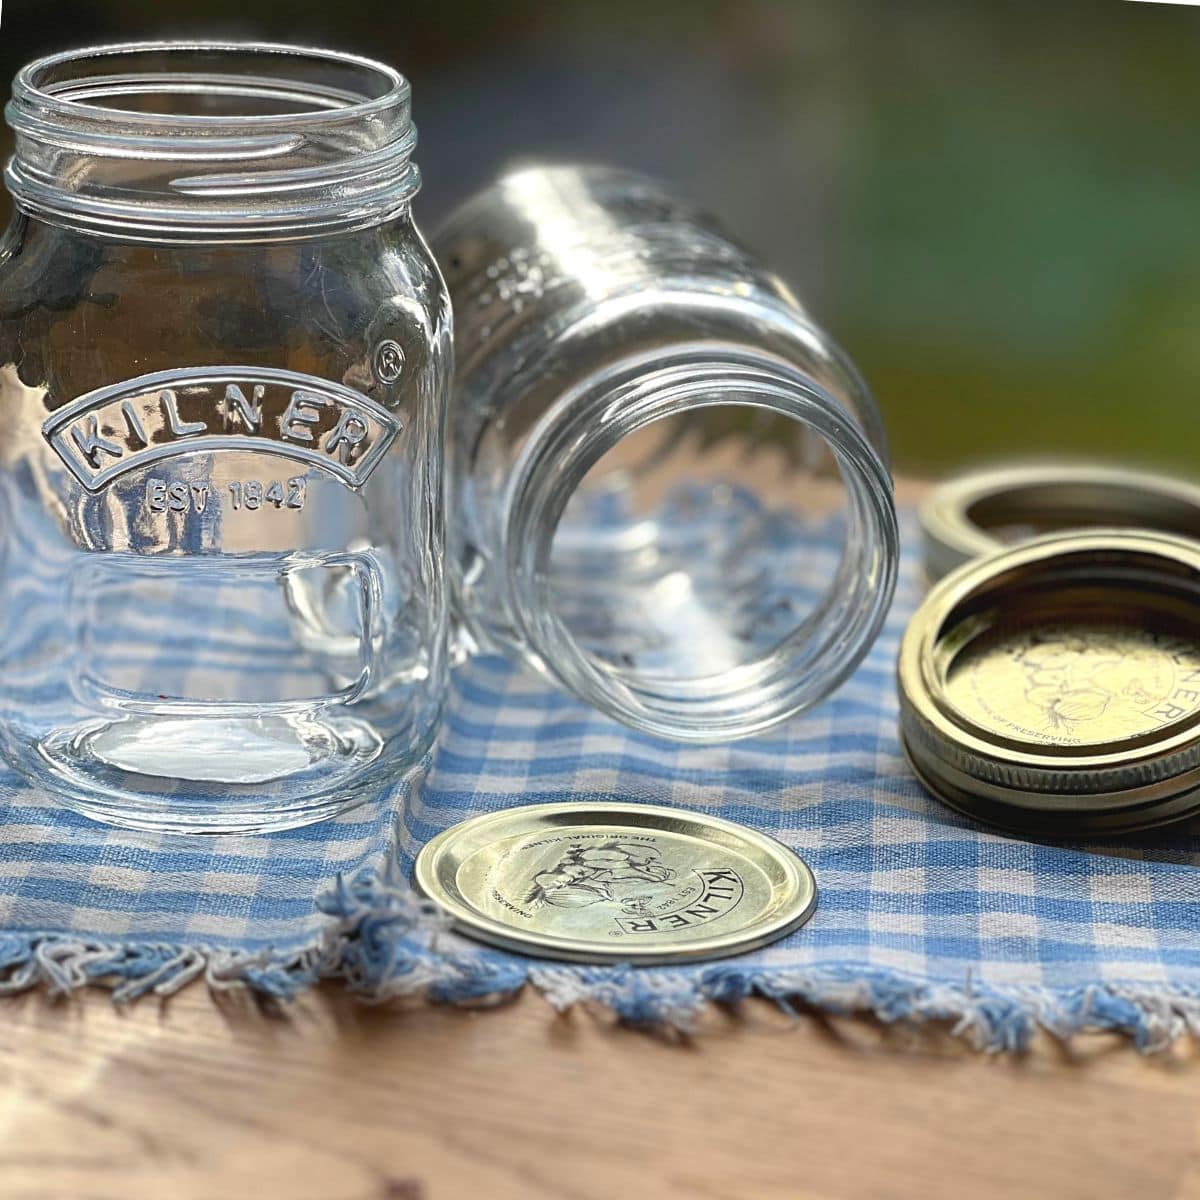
(333, 1100)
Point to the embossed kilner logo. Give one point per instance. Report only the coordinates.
(644, 893)
(711, 893)
(121, 428)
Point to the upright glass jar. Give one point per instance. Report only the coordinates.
(642, 429)
(224, 351)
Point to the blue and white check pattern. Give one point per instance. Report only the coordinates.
(922, 913)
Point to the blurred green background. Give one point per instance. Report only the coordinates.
(993, 204)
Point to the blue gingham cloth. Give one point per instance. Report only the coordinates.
(922, 914)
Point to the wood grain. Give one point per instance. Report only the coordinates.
(333, 1100)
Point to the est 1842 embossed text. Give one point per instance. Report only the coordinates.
(117, 429)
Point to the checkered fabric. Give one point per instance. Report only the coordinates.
(922, 914)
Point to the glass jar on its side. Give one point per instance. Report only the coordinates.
(643, 430)
(224, 351)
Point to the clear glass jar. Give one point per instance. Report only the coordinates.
(224, 352)
(642, 432)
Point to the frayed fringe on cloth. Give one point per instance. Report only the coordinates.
(383, 942)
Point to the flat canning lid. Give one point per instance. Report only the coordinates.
(601, 882)
(985, 511)
(1054, 688)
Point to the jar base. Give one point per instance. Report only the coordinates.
(210, 774)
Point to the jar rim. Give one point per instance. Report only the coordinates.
(324, 155)
(761, 693)
(28, 82)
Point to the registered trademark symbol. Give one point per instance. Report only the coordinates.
(389, 361)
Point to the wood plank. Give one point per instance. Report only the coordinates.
(334, 1100)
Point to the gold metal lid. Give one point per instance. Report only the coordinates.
(599, 882)
(984, 511)
(1055, 687)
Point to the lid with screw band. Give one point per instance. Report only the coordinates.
(984, 511)
(1055, 687)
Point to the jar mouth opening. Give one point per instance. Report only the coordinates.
(148, 82)
(730, 604)
(211, 141)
